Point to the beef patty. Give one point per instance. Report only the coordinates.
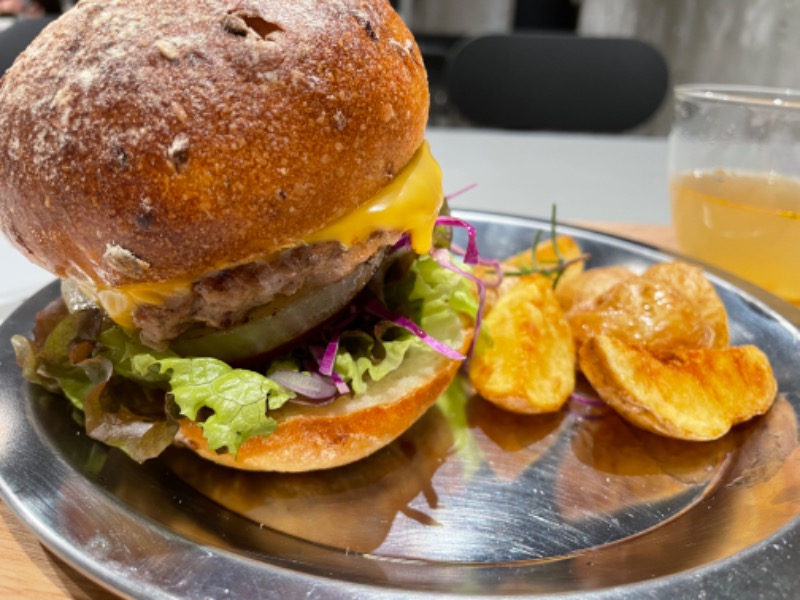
(224, 299)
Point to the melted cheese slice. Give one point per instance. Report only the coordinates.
(410, 203)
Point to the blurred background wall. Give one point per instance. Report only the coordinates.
(710, 41)
(717, 41)
(458, 16)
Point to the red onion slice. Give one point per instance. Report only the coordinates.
(340, 384)
(376, 308)
(442, 258)
(471, 256)
(493, 263)
(463, 190)
(309, 386)
(329, 357)
(584, 400)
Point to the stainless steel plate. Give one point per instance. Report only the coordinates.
(471, 501)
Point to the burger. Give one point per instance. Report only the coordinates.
(246, 220)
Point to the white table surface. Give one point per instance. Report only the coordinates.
(589, 178)
(18, 278)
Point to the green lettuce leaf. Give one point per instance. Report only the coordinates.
(111, 416)
(230, 405)
(122, 350)
(64, 356)
(54, 360)
(238, 398)
(437, 295)
(427, 293)
(362, 358)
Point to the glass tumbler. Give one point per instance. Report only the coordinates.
(734, 172)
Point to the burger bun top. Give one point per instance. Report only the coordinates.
(144, 144)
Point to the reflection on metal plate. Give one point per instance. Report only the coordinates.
(472, 500)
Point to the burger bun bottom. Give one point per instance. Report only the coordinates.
(349, 429)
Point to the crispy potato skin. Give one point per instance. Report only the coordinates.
(522, 363)
(671, 306)
(698, 289)
(584, 288)
(690, 395)
(525, 359)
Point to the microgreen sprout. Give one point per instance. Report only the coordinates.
(553, 269)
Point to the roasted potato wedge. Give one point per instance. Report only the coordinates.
(671, 306)
(692, 282)
(690, 395)
(643, 313)
(584, 288)
(525, 359)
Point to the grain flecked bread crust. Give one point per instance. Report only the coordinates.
(348, 430)
(142, 144)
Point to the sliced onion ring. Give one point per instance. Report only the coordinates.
(308, 385)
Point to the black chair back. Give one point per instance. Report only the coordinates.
(556, 82)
